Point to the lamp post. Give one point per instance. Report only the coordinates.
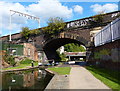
(10, 27)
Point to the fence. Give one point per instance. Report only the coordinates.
(109, 33)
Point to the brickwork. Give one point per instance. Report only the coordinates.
(107, 55)
(3, 63)
(82, 36)
(114, 44)
(30, 51)
(85, 33)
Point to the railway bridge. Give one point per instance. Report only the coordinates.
(79, 31)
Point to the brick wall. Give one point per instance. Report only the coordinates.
(107, 55)
(30, 51)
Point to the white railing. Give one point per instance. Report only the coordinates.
(109, 33)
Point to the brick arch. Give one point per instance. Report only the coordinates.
(52, 45)
(81, 37)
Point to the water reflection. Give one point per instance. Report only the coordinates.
(29, 79)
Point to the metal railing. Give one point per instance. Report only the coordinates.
(109, 33)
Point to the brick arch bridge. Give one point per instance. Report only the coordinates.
(81, 37)
(78, 31)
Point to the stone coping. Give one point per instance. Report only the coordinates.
(58, 81)
(22, 69)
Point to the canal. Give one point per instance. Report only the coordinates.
(28, 80)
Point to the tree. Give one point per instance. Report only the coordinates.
(34, 32)
(74, 48)
(62, 57)
(55, 26)
(25, 32)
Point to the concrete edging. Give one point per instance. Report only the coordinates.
(51, 81)
(19, 69)
(58, 81)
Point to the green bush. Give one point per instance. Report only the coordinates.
(26, 61)
(25, 32)
(55, 26)
(63, 57)
(98, 20)
(9, 59)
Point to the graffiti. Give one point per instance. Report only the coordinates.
(79, 23)
(87, 21)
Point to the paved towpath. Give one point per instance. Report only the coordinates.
(80, 78)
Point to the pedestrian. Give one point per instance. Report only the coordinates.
(32, 64)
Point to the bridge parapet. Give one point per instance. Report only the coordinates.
(86, 22)
(80, 23)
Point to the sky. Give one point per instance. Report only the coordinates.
(44, 9)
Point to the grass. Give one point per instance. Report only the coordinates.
(61, 70)
(26, 61)
(21, 66)
(108, 77)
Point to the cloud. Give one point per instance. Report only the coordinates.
(5, 16)
(78, 9)
(49, 8)
(97, 8)
(43, 9)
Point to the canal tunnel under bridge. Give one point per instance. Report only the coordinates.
(51, 46)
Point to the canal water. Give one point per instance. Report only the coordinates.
(29, 80)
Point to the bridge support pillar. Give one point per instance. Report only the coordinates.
(88, 53)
